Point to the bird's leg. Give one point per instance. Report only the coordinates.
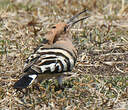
(59, 79)
(60, 82)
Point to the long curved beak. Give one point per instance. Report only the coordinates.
(71, 21)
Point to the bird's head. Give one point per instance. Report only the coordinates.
(62, 27)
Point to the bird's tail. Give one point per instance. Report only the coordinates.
(25, 81)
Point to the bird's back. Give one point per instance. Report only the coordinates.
(60, 57)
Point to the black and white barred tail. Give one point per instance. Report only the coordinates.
(25, 81)
(46, 61)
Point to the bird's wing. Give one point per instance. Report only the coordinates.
(35, 56)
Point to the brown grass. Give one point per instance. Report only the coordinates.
(100, 79)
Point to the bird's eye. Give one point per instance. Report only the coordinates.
(65, 29)
(53, 27)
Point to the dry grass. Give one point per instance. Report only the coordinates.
(100, 79)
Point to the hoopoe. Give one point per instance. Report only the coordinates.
(55, 55)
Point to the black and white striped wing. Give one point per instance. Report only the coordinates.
(54, 60)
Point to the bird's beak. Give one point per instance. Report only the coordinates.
(71, 21)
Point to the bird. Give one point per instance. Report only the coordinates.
(53, 57)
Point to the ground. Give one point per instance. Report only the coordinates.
(99, 80)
